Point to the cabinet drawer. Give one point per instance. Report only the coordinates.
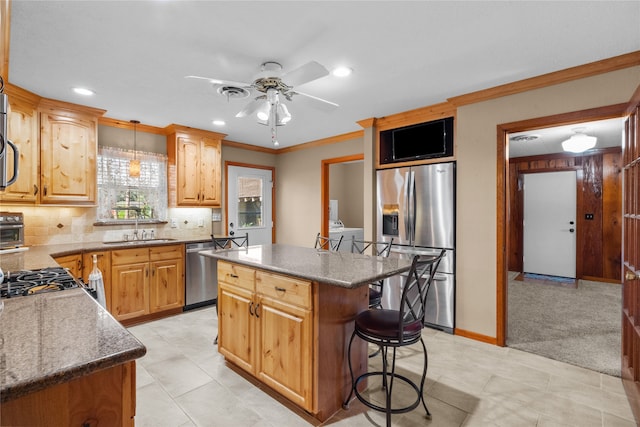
(129, 256)
(161, 253)
(236, 275)
(284, 288)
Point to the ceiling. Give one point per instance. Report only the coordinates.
(404, 55)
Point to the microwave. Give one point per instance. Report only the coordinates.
(11, 230)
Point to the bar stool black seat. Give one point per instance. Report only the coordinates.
(397, 328)
(382, 249)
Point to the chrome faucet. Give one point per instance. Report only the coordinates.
(135, 232)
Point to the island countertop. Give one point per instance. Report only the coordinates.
(344, 269)
(51, 338)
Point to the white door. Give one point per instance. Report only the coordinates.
(550, 223)
(249, 200)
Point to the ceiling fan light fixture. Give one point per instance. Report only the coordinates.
(579, 143)
(282, 115)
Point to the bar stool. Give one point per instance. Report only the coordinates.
(377, 249)
(228, 242)
(328, 243)
(397, 328)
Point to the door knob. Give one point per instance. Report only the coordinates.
(571, 230)
(630, 275)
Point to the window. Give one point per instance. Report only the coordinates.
(249, 202)
(124, 198)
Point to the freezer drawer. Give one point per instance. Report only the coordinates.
(440, 309)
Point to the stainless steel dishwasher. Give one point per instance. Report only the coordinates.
(201, 287)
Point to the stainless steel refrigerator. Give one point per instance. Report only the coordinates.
(416, 208)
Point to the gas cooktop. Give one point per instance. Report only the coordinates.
(31, 282)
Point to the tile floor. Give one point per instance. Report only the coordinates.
(183, 381)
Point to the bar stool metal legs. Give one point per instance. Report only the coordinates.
(388, 377)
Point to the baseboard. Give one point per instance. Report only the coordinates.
(476, 336)
(602, 279)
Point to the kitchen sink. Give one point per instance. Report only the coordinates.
(137, 242)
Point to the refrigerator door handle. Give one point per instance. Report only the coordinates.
(411, 206)
(407, 210)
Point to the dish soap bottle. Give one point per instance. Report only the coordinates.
(95, 282)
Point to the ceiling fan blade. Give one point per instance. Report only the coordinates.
(305, 74)
(321, 103)
(252, 107)
(220, 81)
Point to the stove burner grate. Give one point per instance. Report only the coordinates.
(31, 282)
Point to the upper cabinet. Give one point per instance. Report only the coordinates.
(194, 166)
(58, 146)
(23, 132)
(68, 151)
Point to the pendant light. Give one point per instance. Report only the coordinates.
(134, 165)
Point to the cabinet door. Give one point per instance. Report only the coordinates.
(104, 265)
(68, 158)
(284, 351)
(236, 325)
(165, 290)
(130, 290)
(73, 263)
(210, 172)
(23, 132)
(188, 171)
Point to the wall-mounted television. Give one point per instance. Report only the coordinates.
(416, 142)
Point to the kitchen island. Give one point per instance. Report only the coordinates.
(64, 360)
(285, 316)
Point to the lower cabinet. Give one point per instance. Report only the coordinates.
(265, 323)
(73, 263)
(146, 281)
(106, 397)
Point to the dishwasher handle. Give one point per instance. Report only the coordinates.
(198, 249)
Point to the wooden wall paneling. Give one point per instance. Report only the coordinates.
(611, 216)
(515, 219)
(591, 251)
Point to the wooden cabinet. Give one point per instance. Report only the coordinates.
(265, 325)
(194, 166)
(58, 146)
(23, 132)
(68, 151)
(146, 281)
(104, 265)
(72, 262)
(166, 288)
(106, 397)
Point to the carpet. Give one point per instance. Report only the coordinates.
(580, 325)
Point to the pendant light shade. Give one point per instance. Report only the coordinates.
(579, 143)
(134, 164)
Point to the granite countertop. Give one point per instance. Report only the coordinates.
(343, 269)
(42, 256)
(51, 338)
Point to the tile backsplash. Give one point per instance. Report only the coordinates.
(48, 225)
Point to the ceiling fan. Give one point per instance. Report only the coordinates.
(271, 84)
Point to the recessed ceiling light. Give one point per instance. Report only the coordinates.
(342, 71)
(83, 91)
(219, 122)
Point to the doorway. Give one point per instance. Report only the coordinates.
(549, 238)
(249, 205)
(508, 197)
(326, 184)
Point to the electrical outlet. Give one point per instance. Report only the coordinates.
(174, 223)
(200, 222)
